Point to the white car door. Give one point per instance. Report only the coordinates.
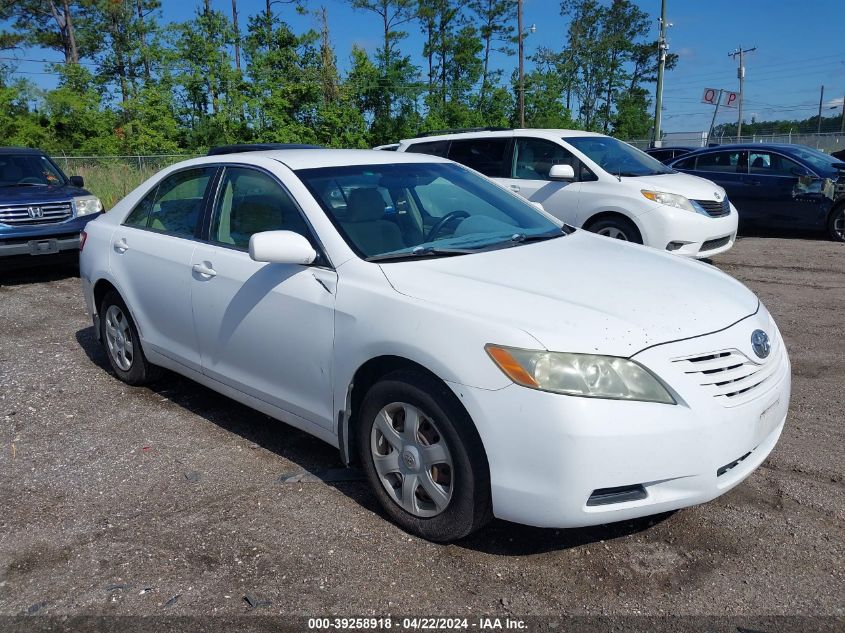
(532, 160)
(150, 258)
(264, 329)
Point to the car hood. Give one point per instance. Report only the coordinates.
(581, 293)
(686, 185)
(23, 195)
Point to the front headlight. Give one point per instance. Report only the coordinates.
(86, 205)
(580, 374)
(671, 200)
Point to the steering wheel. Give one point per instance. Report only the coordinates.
(442, 222)
(30, 180)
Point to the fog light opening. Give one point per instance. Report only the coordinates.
(619, 494)
(673, 246)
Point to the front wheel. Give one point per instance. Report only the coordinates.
(616, 227)
(836, 224)
(423, 458)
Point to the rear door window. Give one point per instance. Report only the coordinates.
(485, 155)
(174, 206)
(731, 162)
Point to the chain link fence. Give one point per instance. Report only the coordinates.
(827, 141)
(112, 177)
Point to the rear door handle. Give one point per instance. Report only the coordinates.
(205, 270)
(515, 188)
(121, 246)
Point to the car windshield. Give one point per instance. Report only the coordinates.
(819, 160)
(27, 170)
(401, 211)
(616, 157)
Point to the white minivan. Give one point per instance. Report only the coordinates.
(599, 183)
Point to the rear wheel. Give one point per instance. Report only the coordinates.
(123, 346)
(423, 458)
(616, 227)
(836, 224)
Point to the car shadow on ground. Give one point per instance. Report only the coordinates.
(786, 234)
(16, 272)
(316, 460)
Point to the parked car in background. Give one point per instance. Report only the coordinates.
(776, 186)
(473, 355)
(42, 211)
(667, 154)
(599, 183)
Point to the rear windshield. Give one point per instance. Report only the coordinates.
(22, 170)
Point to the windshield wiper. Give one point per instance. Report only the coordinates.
(419, 252)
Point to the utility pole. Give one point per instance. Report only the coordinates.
(740, 73)
(521, 65)
(661, 64)
(237, 34)
(842, 129)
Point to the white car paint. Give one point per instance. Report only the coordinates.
(288, 339)
(577, 203)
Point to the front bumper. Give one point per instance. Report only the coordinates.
(549, 453)
(43, 239)
(688, 234)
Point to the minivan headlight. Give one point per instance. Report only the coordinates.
(587, 375)
(86, 205)
(670, 200)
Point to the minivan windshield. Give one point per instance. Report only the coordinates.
(616, 157)
(411, 210)
(29, 170)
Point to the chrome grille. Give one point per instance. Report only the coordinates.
(732, 377)
(45, 213)
(714, 208)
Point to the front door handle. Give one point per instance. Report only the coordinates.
(515, 188)
(121, 246)
(204, 269)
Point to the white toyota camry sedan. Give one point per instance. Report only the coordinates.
(475, 357)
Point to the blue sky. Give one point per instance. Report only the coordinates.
(799, 48)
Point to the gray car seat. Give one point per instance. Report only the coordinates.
(365, 224)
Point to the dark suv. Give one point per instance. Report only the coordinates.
(42, 211)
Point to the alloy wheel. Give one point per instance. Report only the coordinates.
(412, 460)
(839, 224)
(615, 233)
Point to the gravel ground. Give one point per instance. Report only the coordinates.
(177, 501)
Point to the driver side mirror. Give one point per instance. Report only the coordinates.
(76, 181)
(561, 172)
(281, 247)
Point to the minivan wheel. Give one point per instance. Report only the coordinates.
(123, 346)
(618, 228)
(423, 458)
(836, 224)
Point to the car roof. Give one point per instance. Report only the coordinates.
(783, 147)
(555, 133)
(21, 150)
(313, 158)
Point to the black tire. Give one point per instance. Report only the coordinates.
(140, 371)
(469, 507)
(836, 223)
(616, 223)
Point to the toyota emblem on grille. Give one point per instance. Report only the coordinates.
(717, 195)
(35, 212)
(760, 343)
